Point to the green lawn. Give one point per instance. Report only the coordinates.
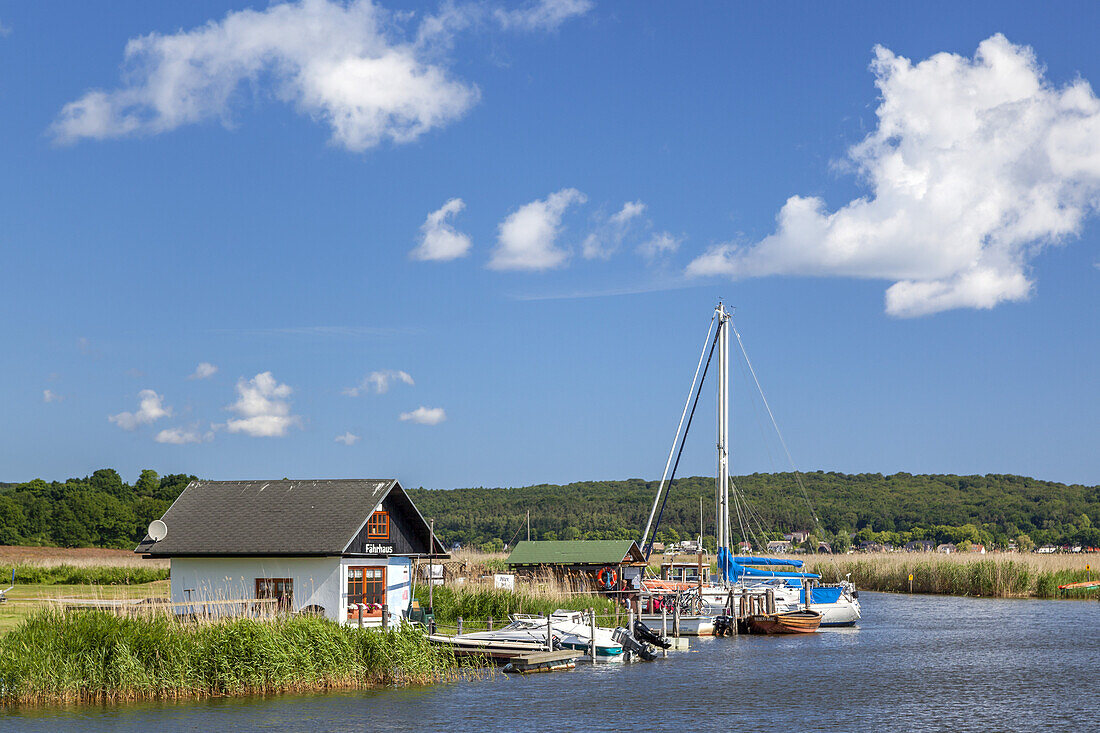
(25, 599)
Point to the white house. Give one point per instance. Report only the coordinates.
(311, 546)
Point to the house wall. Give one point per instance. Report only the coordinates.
(318, 581)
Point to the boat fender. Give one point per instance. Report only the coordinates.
(645, 633)
(607, 577)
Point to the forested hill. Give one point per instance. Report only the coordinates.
(991, 509)
(103, 510)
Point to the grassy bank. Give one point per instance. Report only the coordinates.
(55, 657)
(65, 574)
(1008, 575)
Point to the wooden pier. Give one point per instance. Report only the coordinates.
(534, 662)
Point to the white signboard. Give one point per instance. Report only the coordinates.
(504, 582)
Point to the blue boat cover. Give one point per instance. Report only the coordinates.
(730, 570)
(822, 594)
(766, 561)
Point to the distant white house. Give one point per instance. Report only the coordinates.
(779, 546)
(322, 547)
(947, 548)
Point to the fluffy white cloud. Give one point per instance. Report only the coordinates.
(527, 238)
(438, 239)
(263, 408)
(541, 15)
(379, 382)
(48, 395)
(425, 415)
(204, 370)
(335, 62)
(975, 167)
(609, 234)
(348, 439)
(659, 244)
(150, 408)
(183, 436)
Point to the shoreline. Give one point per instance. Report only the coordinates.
(93, 657)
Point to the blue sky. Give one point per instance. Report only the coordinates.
(503, 227)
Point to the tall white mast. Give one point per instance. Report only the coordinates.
(723, 427)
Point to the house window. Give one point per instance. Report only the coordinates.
(281, 589)
(378, 526)
(366, 585)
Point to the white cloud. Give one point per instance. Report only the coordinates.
(541, 15)
(659, 244)
(438, 239)
(150, 408)
(975, 167)
(4, 30)
(527, 238)
(334, 62)
(379, 382)
(425, 415)
(609, 234)
(348, 439)
(204, 370)
(48, 395)
(183, 436)
(263, 408)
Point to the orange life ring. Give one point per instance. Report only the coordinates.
(607, 577)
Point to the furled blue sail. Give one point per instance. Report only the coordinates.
(730, 570)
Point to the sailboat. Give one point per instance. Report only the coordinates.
(742, 580)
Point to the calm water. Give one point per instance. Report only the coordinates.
(915, 663)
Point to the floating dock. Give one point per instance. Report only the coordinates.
(534, 662)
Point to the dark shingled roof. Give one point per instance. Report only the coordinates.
(268, 517)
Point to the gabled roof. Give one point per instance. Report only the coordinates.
(575, 552)
(268, 517)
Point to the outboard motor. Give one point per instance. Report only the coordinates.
(632, 645)
(723, 625)
(647, 634)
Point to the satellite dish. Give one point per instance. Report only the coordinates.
(158, 530)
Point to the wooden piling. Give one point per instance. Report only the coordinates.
(549, 634)
(664, 629)
(592, 629)
(459, 625)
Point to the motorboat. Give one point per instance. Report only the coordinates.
(568, 630)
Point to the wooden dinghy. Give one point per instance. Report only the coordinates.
(793, 622)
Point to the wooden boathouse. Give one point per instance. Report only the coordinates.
(581, 560)
(343, 549)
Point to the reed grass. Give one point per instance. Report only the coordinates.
(478, 602)
(80, 657)
(1002, 575)
(75, 556)
(66, 574)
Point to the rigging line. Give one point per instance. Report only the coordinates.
(676, 437)
(743, 500)
(790, 460)
(782, 441)
(672, 476)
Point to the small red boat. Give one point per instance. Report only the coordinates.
(793, 622)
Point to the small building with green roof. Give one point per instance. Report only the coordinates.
(580, 560)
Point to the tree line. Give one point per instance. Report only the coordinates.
(102, 510)
(842, 509)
